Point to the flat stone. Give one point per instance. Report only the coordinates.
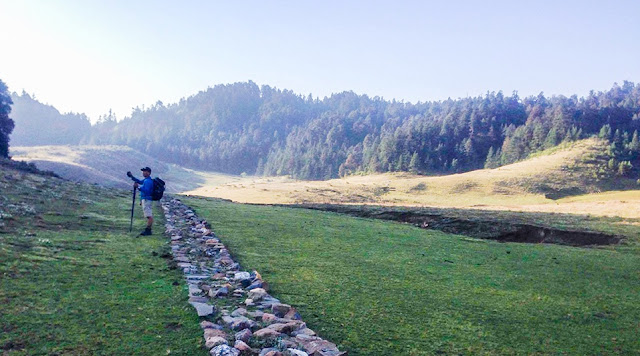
(197, 277)
(268, 301)
(288, 328)
(242, 346)
(226, 261)
(239, 312)
(244, 335)
(224, 350)
(243, 323)
(296, 352)
(269, 352)
(305, 339)
(214, 341)
(203, 309)
(280, 310)
(255, 284)
(322, 348)
(241, 275)
(194, 290)
(306, 331)
(256, 315)
(257, 294)
(273, 353)
(214, 332)
(268, 318)
(222, 292)
(266, 333)
(227, 320)
(198, 299)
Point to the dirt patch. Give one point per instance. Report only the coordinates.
(478, 228)
(173, 326)
(534, 234)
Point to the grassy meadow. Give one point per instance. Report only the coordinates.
(570, 178)
(383, 288)
(74, 281)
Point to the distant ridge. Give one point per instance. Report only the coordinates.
(245, 128)
(104, 165)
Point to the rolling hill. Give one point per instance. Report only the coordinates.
(107, 165)
(568, 178)
(572, 177)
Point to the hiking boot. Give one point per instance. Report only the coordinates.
(146, 232)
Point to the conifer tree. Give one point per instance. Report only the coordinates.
(414, 164)
(6, 123)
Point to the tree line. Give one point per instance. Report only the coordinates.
(243, 127)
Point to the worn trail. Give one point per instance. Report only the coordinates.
(238, 316)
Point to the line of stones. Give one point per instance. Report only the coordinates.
(234, 305)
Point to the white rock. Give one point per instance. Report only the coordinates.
(241, 275)
(203, 309)
(257, 294)
(224, 350)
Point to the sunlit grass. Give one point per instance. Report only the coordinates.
(382, 288)
(74, 281)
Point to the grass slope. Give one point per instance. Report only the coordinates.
(75, 282)
(536, 184)
(569, 178)
(107, 166)
(382, 288)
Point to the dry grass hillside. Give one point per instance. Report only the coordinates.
(107, 165)
(569, 178)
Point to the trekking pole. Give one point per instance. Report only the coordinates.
(133, 204)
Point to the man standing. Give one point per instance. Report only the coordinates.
(146, 188)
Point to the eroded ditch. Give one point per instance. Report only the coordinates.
(479, 228)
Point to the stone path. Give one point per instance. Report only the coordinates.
(238, 316)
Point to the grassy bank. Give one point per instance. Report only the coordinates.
(74, 281)
(382, 288)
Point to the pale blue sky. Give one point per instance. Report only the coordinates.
(89, 56)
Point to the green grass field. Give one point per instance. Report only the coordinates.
(74, 281)
(383, 288)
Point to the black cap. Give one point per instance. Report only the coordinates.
(146, 169)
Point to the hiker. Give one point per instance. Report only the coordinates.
(146, 188)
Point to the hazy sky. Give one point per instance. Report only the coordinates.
(90, 56)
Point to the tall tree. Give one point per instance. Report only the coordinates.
(6, 123)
